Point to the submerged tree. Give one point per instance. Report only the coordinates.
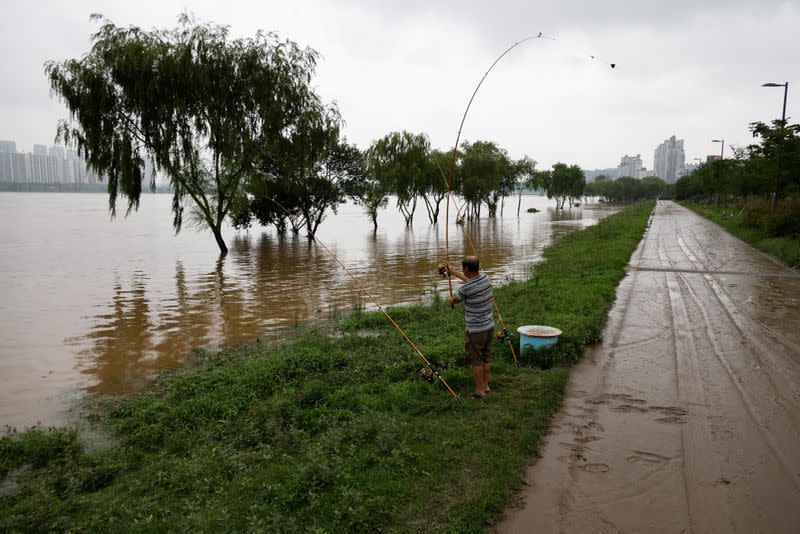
(312, 170)
(525, 177)
(565, 182)
(485, 171)
(433, 184)
(203, 106)
(400, 161)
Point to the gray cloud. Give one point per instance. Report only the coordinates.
(686, 68)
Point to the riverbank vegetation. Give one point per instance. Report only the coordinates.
(756, 194)
(332, 429)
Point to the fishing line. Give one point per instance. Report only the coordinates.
(368, 294)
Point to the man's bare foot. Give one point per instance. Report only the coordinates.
(487, 390)
(475, 396)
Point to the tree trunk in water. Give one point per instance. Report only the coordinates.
(223, 248)
(519, 203)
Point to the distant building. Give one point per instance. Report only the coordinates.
(669, 159)
(56, 152)
(629, 165)
(712, 157)
(44, 165)
(644, 173)
(6, 167)
(689, 169)
(21, 168)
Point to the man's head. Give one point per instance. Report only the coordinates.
(471, 265)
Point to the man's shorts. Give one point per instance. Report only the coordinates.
(478, 347)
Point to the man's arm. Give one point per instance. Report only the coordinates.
(457, 274)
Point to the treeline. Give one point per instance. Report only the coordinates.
(627, 189)
(238, 128)
(401, 165)
(762, 180)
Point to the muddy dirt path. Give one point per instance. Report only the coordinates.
(687, 417)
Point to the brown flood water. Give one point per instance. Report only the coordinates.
(92, 306)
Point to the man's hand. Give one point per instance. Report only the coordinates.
(454, 300)
(458, 274)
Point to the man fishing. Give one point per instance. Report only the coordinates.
(476, 294)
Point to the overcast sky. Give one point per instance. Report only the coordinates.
(685, 68)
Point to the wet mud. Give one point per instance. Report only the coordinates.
(686, 418)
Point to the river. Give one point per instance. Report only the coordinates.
(93, 306)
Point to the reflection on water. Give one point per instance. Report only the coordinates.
(102, 306)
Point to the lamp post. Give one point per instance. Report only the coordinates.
(785, 93)
(722, 150)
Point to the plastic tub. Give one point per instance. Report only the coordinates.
(537, 336)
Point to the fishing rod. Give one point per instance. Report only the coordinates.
(455, 149)
(503, 334)
(453, 163)
(374, 301)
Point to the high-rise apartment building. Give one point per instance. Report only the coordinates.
(21, 168)
(44, 165)
(629, 165)
(8, 147)
(56, 152)
(6, 167)
(669, 159)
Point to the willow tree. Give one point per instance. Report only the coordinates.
(524, 175)
(202, 105)
(313, 171)
(400, 161)
(486, 169)
(565, 182)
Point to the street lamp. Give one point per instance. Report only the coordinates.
(722, 150)
(785, 93)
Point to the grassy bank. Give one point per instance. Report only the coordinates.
(786, 249)
(333, 430)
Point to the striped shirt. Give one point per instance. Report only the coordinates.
(476, 294)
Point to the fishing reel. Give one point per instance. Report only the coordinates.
(443, 271)
(502, 336)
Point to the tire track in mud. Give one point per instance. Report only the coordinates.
(747, 400)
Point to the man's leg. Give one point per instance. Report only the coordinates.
(486, 367)
(477, 377)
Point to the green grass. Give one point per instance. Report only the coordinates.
(786, 249)
(332, 430)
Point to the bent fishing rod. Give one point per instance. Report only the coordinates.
(374, 301)
(458, 138)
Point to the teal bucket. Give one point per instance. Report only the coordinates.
(537, 336)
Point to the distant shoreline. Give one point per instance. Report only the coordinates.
(24, 187)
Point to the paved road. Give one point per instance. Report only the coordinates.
(687, 417)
